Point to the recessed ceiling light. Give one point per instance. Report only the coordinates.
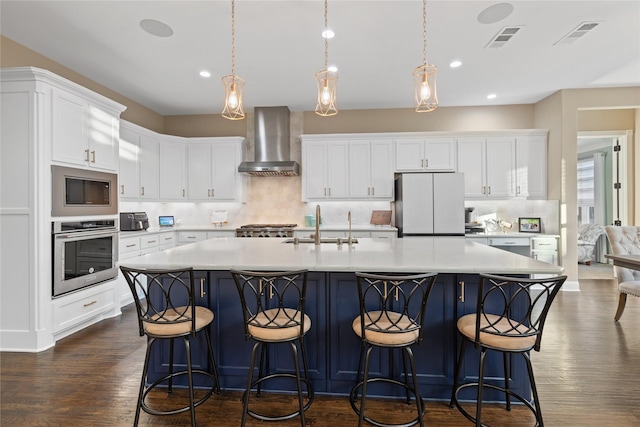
(455, 64)
(328, 34)
(156, 28)
(492, 96)
(205, 73)
(495, 13)
(332, 68)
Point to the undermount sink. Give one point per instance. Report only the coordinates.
(333, 240)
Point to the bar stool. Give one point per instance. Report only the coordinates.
(273, 307)
(166, 307)
(509, 318)
(392, 309)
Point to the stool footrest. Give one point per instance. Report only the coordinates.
(353, 398)
(157, 383)
(456, 403)
(262, 417)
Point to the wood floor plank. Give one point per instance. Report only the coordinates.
(588, 374)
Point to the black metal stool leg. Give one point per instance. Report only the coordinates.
(365, 377)
(406, 374)
(296, 365)
(212, 360)
(416, 390)
(245, 402)
(261, 368)
(483, 353)
(534, 390)
(187, 349)
(145, 368)
(505, 357)
(456, 374)
(171, 347)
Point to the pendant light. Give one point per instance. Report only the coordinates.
(425, 75)
(233, 85)
(326, 79)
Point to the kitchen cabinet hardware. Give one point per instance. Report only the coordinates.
(461, 296)
(183, 192)
(122, 189)
(202, 292)
(133, 245)
(90, 303)
(86, 157)
(93, 156)
(142, 191)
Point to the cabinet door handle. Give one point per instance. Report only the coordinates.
(86, 157)
(202, 292)
(131, 245)
(368, 191)
(461, 296)
(329, 191)
(325, 191)
(93, 156)
(191, 237)
(484, 191)
(544, 244)
(489, 187)
(151, 241)
(518, 189)
(122, 189)
(183, 192)
(373, 191)
(213, 192)
(426, 163)
(142, 191)
(90, 303)
(168, 238)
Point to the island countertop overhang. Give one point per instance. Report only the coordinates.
(423, 254)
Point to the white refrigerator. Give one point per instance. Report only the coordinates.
(429, 204)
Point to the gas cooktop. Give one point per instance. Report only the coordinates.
(266, 230)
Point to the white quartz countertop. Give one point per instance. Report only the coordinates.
(507, 235)
(424, 254)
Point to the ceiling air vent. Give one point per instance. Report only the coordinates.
(503, 37)
(577, 33)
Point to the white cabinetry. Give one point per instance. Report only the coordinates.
(172, 168)
(531, 167)
(44, 116)
(325, 170)
(433, 154)
(212, 169)
(488, 165)
(370, 170)
(545, 249)
(139, 163)
(83, 133)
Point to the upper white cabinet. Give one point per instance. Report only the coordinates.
(531, 167)
(488, 165)
(212, 169)
(370, 170)
(84, 134)
(173, 182)
(325, 171)
(139, 163)
(155, 167)
(432, 154)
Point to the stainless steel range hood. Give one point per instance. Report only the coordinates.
(272, 156)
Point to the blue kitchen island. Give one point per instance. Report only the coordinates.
(332, 304)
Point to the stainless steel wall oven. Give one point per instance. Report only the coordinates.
(85, 253)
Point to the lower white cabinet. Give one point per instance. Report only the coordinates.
(545, 249)
(542, 248)
(185, 237)
(78, 307)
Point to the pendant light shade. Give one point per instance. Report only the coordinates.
(424, 76)
(326, 80)
(233, 85)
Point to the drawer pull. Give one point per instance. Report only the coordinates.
(151, 241)
(133, 245)
(544, 244)
(168, 238)
(90, 303)
(461, 296)
(191, 237)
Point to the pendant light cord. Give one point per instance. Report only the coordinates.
(326, 39)
(233, 37)
(424, 31)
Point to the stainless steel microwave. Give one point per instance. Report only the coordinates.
(81, 192)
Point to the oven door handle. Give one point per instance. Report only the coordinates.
(83, 235)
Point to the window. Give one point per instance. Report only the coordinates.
(586, 191)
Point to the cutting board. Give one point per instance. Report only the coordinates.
(381, 217)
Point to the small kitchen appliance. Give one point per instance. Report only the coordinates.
(133, 221)
(166, 221)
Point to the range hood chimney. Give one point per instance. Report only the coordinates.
(271, 144)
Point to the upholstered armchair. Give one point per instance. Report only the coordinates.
(588, 235)
(625, 240)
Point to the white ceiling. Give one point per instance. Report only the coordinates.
(377, 45)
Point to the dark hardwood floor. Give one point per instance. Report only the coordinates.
(588, 374)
